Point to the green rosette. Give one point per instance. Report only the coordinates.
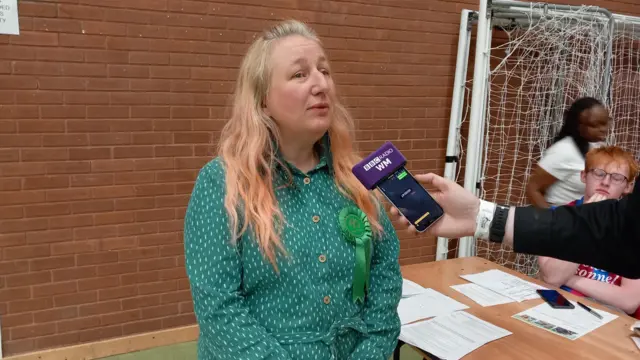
(356, 229)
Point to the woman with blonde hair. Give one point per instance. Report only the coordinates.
(287, 254)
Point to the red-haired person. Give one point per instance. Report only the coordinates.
(609, 173)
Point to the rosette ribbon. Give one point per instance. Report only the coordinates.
(357, 230)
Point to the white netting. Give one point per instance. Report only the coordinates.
(537, 69)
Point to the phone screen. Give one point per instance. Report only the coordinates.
(411, 199)
(555, 299)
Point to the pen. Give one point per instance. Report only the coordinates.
(590, 310)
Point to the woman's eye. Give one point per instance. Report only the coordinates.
(298, 75)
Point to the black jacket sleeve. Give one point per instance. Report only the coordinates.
(605, 235)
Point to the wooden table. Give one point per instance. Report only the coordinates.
(610, 341)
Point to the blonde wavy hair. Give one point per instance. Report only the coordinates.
(247, 149)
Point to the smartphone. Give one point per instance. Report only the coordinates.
(411, 199)
(555, 299)
(385, 170)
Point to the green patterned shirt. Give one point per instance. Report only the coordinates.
(246, 311)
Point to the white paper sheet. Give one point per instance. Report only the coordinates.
(9, 21)
(636, 340)
(480, 295)
(428, 304)
(451, 336)
(505, 284)
(568, 323)
(409, 288)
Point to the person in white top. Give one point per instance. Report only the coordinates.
(556, 178)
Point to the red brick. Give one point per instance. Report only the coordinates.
(141, 326)
(68, 195)
(16, 294)
(100, 283)
(108, 84)
(103, 307)
(38, 97)
(104, 28)
(9, 155)
(61, 83)
(98, 258)
(12, 321)
(137, 229)
(35, 38)
(112, 165)
(117, 268)
(114, 218)
(128, 71)
(121, 317)
(92, 180)
(106, 56)
(33, 331)
(31, 278)
(73, 221)
(118, 293)
(41, 126)
(49, 236)
(83, 41)
(52, 263)
(26, 252)
(122, 152)
(30, 305)
(96, 232)
(92, 206)
(58, 340)
(46, 182)
(113, 192)
(118, 243)
(78, 324)
(90, 153)
(74, 273)
(173, 150)
(153, 164)
(160, 311)
(156, 264)
(107, 112)
(75, 299)
(54, 289)
(80, 12)
(69, 167)
(101, 333)
(154, 215)
(178, 320)
(47, 210)
(59, 54)
(140, 277)
(13, 212)
(74, 247)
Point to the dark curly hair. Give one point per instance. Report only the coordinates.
(571, 126)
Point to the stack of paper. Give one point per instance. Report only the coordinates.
(451, 336)
(505, 284)
(569, 323)
(482, 296)
(409, 288)
(427, 304)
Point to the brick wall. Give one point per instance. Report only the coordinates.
(109, 107)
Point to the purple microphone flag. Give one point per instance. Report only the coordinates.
(379, 165)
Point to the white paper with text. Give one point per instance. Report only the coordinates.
(451, 336)
(428, 304)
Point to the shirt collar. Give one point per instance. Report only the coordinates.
(323, 147)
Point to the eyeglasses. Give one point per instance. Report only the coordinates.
(615, 177)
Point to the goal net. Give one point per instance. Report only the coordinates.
(538, 66)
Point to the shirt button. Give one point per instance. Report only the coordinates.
(327, 299)
(315, 218)
(322, 258)
(307, 181)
